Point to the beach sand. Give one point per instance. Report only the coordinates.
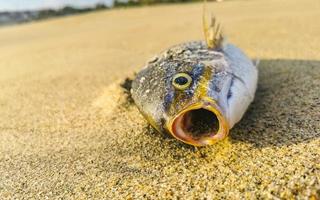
(68, 129)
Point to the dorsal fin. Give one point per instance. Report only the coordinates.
(212, 32)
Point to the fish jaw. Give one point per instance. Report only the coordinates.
(178, 126)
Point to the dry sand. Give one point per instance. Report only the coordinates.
(67, 130)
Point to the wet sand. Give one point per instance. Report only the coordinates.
(67, 129)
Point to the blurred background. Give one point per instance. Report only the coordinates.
(19, 11)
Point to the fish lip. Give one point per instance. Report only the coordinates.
(209, 105)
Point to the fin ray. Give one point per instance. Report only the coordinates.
(212, 32)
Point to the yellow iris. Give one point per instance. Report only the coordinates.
(181, 81)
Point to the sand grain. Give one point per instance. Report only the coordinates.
(67, 131)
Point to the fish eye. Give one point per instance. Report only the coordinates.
(181, 81)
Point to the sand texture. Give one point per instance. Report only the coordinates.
(69, 131)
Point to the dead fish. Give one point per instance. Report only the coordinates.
(196, 91)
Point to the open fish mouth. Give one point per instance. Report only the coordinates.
(199, 125)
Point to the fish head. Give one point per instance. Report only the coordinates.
(181, 94)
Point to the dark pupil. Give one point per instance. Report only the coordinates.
(181, 80)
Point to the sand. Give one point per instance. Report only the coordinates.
(68, 131)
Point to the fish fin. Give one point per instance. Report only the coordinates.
(212, 32)
(256, 62)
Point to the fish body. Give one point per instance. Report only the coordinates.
(196, 93)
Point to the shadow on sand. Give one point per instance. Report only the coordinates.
(286, 109)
